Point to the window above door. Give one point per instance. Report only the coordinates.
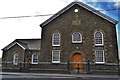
(76, 37)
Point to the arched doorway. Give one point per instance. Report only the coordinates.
(77, 61)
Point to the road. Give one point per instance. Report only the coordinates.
(19, 77)
(59, 79)
(49, 76)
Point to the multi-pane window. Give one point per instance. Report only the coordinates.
(35, 58)
(76, 37)
(56, 39)
(98, 38)
(99, 56)
(15, 59)
(56, 56)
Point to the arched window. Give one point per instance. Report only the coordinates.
(35, 58)
(15, 59)
(98, 38)
(56, 39)
(76, 37)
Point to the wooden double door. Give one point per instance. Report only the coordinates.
(77, 61)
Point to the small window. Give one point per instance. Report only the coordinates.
(76, 37)
(56, 56)
(99, 56)
(98, 38)
(15, 59)
(35, 59)
(56, 39)
(76, 10)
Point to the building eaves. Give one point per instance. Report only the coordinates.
(12, 44)
(31, 44)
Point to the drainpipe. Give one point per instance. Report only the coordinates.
(24, 58)
(24, 61)
(26, 52)
(118, 65)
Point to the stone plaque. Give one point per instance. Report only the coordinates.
(76, 22)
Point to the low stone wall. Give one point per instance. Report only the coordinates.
(48, 67)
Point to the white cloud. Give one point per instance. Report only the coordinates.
(28, 7)
(11, 29)
(117, 4)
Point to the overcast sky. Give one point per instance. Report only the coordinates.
(28, 27)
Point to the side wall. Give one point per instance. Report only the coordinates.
(8, 56)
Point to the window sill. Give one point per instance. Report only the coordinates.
(99, 62)
(56, 45)
(34, 63)
(15, 64)
(76, 42)
(55, 62)
(99, 44)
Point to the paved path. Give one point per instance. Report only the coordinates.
(58, 79)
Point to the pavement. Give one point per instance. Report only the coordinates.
(59, 75)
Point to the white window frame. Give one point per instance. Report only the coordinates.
(76, 41)
(15, 59)
(53, 61)
(98, 62)
(95, 39)
(53, 39)
(33, 59)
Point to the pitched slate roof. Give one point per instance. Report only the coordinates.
(82, 5)
(31, 44)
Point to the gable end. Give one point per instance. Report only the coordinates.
(82, 5)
